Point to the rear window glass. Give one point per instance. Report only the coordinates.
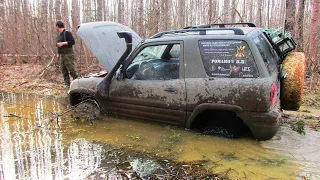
(228, 58)
(269, 56)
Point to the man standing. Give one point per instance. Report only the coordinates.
(66, 54)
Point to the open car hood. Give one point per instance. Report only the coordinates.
(102, 39)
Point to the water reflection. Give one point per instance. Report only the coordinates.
(31, 149)
(34, 146)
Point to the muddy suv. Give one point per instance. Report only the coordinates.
(177, 76)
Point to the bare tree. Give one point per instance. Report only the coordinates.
(30, 20)
(121, 11)
(300, 25)
(314, 30)
(210, 11)
(99, 9)
(140, 19)
(233, 10)
(226, 7)
(181, 17)
(259, 13)
(106, 10)
(290, 16)
(58, 9)
(2, 27)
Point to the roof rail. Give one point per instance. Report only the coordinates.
(202, 31)
(221, 25)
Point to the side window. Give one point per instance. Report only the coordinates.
(156, 62)
(269, 56)
(228, 59)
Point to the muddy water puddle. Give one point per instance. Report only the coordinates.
(40, 140)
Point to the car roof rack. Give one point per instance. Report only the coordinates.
(202, 31)
(223, 25)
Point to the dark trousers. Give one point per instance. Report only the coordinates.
(67, 62)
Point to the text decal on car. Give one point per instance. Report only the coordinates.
(228, 58)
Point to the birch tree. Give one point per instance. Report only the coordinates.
(300, 25)
(290, 16)
(314, 30)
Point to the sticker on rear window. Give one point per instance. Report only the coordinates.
(228, 58)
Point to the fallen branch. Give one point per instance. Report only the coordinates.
(12, 115)
(49, 64)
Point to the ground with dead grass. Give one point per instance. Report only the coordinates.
(29, 78)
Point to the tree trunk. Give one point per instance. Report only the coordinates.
(300, 25)
(65, 12)
(2, 24)
(164, 20)
(290, 16)
(244, 12)
(121, 11)
(181, 6)
(268, 14)
(259, 13)
(233, 11)
(226, 7)
(314, 31)
(89, 11)
(58, 9)
(99, 10)
(75, 15)
(210, 11)
(44, 20)
(251, 10)
(106, 10)
(215, 10)
(140, 18)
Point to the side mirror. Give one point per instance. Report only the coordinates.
(285, 46)
(119, 74)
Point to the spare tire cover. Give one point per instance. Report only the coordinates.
(292, 85)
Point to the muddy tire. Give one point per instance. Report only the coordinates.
(88, 109)
(292, 85)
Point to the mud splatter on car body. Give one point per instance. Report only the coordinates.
(175, 76)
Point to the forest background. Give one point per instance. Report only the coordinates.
(28, 35)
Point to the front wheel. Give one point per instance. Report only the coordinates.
(88, 109)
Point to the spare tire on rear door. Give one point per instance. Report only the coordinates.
(292, 85)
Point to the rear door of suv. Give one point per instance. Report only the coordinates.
(272, 63)
(223, 73)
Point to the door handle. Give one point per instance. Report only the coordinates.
(171, 90)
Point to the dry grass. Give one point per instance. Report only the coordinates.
(24, 78)
(312, 92)
(27, 78)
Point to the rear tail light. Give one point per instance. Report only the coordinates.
(273, 94)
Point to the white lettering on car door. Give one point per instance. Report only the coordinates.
(246, 69)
